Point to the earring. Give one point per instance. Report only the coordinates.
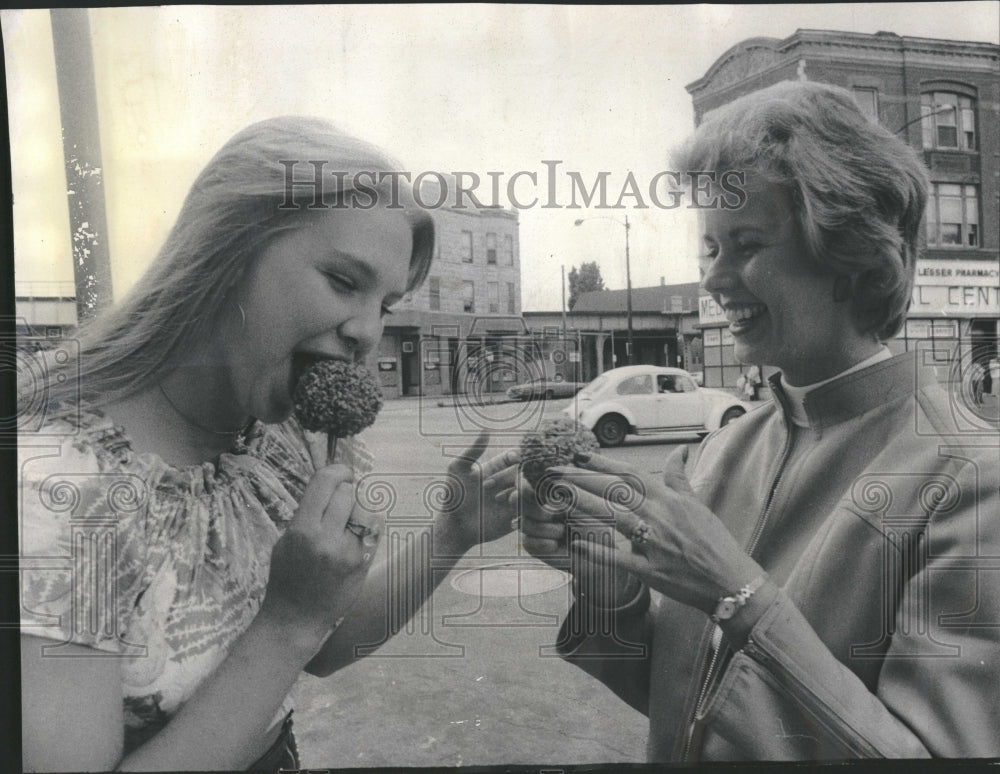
(243, 316)
(841, 288)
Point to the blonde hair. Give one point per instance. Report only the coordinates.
(859, 191)
(237, 205)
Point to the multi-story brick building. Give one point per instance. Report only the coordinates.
(943, 97)
(470, 302)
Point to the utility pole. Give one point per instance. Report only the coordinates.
(564, 301)
(82, 154)
(629, 352)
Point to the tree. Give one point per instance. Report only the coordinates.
(583, 281)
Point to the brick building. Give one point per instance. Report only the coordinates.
(469, 304)
(943, 97)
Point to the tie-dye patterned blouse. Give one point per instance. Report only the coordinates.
(162, 567)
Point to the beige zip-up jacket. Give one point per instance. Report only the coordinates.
(878, 631)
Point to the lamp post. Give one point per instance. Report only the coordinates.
(629, 354)
(563, 268)
(922, 116)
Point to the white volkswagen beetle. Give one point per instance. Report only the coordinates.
(648, 400)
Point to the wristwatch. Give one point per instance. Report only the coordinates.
(727, 607)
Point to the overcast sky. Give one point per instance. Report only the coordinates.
(473, 88)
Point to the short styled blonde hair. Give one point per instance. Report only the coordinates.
(859, 192)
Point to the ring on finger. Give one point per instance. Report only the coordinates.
(640, 533)
(368, 535)
(358, 530)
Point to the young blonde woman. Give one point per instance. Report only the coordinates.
(227, 567)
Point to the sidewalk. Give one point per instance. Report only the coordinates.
(472, 682)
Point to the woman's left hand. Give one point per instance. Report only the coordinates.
(482, 514)
(681, 548)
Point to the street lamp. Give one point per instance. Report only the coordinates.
(922, 116)
(628, 280)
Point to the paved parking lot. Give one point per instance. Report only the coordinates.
(472, 682)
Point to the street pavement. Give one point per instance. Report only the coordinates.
(472, 681)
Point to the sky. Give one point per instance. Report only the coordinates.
(473, 88)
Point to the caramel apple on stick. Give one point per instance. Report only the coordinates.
(337, 398)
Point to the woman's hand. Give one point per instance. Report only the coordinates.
(548, 519)
(483, 511)
(318, 566)
(678, 546)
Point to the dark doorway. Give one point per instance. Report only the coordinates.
(410, 367)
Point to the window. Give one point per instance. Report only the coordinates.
(466, 247)
(640, 384)
(867, 99)
(673, 383)
(667, 384)
(508, 250)
(491, 249)
(493, 293)
(468, 296)
(434, 285)
(511, 301)
(948, 120)
(953, 215)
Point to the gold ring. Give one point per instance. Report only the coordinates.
(359, 530)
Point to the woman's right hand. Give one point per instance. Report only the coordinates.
(318, 566)
(545, 533)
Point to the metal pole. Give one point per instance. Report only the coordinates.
(564, 302)
(629, 353)
(82, 154)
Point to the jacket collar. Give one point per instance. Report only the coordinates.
(854, 394)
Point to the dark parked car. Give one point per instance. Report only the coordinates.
(544, 388)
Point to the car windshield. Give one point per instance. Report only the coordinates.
(594, 386)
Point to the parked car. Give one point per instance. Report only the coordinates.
(647, 400)
(544, 388)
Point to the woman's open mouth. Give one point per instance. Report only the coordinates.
(743, 317)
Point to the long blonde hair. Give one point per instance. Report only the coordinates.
(240, 201)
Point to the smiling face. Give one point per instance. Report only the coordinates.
(318, 291)
(779, 303)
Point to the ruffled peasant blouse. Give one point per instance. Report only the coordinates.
(162, 567)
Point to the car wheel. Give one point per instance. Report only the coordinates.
(610, 430)
(730, 415)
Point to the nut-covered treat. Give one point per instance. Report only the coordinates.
(337, 398)
(555, 444)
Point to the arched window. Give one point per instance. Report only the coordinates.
(948, 120)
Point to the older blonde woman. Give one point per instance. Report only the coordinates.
(822, 575)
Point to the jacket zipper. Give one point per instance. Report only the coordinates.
(751, 546)
(843, 731)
